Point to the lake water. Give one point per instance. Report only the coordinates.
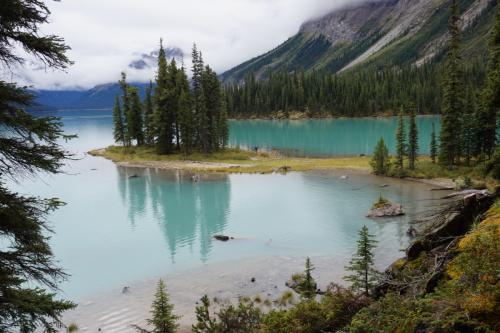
(327, 137)
(115, 230)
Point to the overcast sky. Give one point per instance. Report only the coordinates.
(106, 35)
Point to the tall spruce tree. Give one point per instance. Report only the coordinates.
(163, 119)
(135, 118)
(149, 122)
(213, 108)
(119, 127)
(186, 116)
(173, 102)
(28, 145)
(400, 140)
(452, 104)
(490, 98)
(434, 144)
(198, 100)
(412, 139)
(362, 266)
(125, 108)
(163, 320)
(469, 128)
(222, 125)
(381, 162)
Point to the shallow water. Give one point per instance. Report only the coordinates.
(115, 229)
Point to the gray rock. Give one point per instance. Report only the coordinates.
(389, 210)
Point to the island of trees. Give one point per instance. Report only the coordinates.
(175, 116)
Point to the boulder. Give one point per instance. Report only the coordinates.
(387, 210)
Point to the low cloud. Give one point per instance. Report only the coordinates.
(107, 36)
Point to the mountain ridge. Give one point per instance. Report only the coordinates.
(359, 33)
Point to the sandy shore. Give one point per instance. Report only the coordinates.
(115, 311)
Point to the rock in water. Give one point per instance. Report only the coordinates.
(388, 210)
(221, 238)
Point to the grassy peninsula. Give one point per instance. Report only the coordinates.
(227, 161)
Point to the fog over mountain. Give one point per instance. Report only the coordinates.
(121, 34)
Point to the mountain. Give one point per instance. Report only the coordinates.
(383, 32)
(100, 97)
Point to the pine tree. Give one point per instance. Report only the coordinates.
(434, 145)
(223, 126)
(149, 124)
(119, 128)
(29, 144)
(490, 98)
(412, 140)
(380, 161)
(308, 287)
(126, 109)
(163, 320)
(469, 132)
(163, 119)
(198, 99)
(204, 322)
(135, 124)
(364, 275)
(452, 105)
(186, 117)
(400, 140)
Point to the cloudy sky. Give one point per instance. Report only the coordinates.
(107, 35)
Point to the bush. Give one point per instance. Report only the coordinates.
(331, 313)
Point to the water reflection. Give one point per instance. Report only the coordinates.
(185, 210)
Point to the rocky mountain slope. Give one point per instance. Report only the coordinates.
(383, 32)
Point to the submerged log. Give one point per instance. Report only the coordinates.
(468, 194)
(222, 238)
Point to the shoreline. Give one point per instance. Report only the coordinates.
(254, 163)
(114, 311)
(298, 115)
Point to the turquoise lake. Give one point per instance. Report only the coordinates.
(115, 230)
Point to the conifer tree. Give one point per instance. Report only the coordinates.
(490, 98)
(469, 133)
(28, 145)
(149, 123)
(434, 145)
(412, 139)
(204, 322)
(173, 101)
(135, 118)
(380, 161)
(119, 128)
(125, 108)
(163, 319)
(400, 140)
(362, 266)
(186, 116)
(452, 104)
(223, 126)
(308, 287)
(198, 99)
(163, 119)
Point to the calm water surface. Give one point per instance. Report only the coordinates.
(115, 230)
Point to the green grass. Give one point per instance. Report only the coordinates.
(240, 161)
